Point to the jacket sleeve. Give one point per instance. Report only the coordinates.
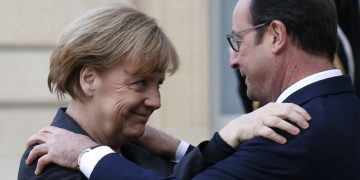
(204, 155)
(113, 166)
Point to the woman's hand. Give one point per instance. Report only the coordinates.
(262, 121)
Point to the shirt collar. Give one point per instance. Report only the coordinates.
(306, 81)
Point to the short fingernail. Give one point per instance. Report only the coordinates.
(296, 131)
(305, 125)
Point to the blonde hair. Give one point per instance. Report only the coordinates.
(105, 37)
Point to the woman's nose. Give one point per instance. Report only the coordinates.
(153, 99)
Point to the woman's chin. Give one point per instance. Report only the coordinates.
(136, 133)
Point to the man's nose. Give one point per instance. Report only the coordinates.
(233, 60)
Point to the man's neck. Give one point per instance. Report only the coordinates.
(307, 81)
(298, 66)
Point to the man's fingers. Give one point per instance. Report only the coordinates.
(38, 138)
(34, 139)
(37, 151)
(42, 162)
(269, 133)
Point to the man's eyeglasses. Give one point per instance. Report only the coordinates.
(235, 42)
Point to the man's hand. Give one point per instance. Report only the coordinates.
(261, 121)
(56, 145)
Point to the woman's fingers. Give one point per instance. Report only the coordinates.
(276, 122)
(290, 112)
(269, 133)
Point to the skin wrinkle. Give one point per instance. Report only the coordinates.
(119, 107)
(123, 101)
(122, 91)
(248, 64)
(295, 70)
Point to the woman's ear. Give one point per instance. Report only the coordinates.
(279, 34)
(87, 80)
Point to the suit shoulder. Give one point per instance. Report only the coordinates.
(51, 171)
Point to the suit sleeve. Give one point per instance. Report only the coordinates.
(51, 171)
(255, 159)
(113, 166)
(259, 159)
(144, 158)
(206, 154)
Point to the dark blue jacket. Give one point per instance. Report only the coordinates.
(131, 151)
(329, 149)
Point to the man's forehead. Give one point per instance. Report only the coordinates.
(241, 13)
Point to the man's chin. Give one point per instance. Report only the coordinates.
(250, 95)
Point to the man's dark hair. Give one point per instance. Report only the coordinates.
(311, 23)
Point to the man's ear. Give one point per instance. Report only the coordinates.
(87, 80)
(279, 34)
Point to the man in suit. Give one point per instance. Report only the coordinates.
(348, 57)
(284, 50)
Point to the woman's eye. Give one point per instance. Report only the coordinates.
(159, 84)
(140, 85)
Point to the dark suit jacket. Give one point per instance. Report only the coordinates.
(131, 151)
(329, 149)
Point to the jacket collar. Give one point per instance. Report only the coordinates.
(63, 120)
(339, 84)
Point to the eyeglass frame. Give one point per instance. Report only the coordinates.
(233, 35)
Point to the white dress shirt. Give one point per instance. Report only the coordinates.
(89, 159)
(306, 81)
